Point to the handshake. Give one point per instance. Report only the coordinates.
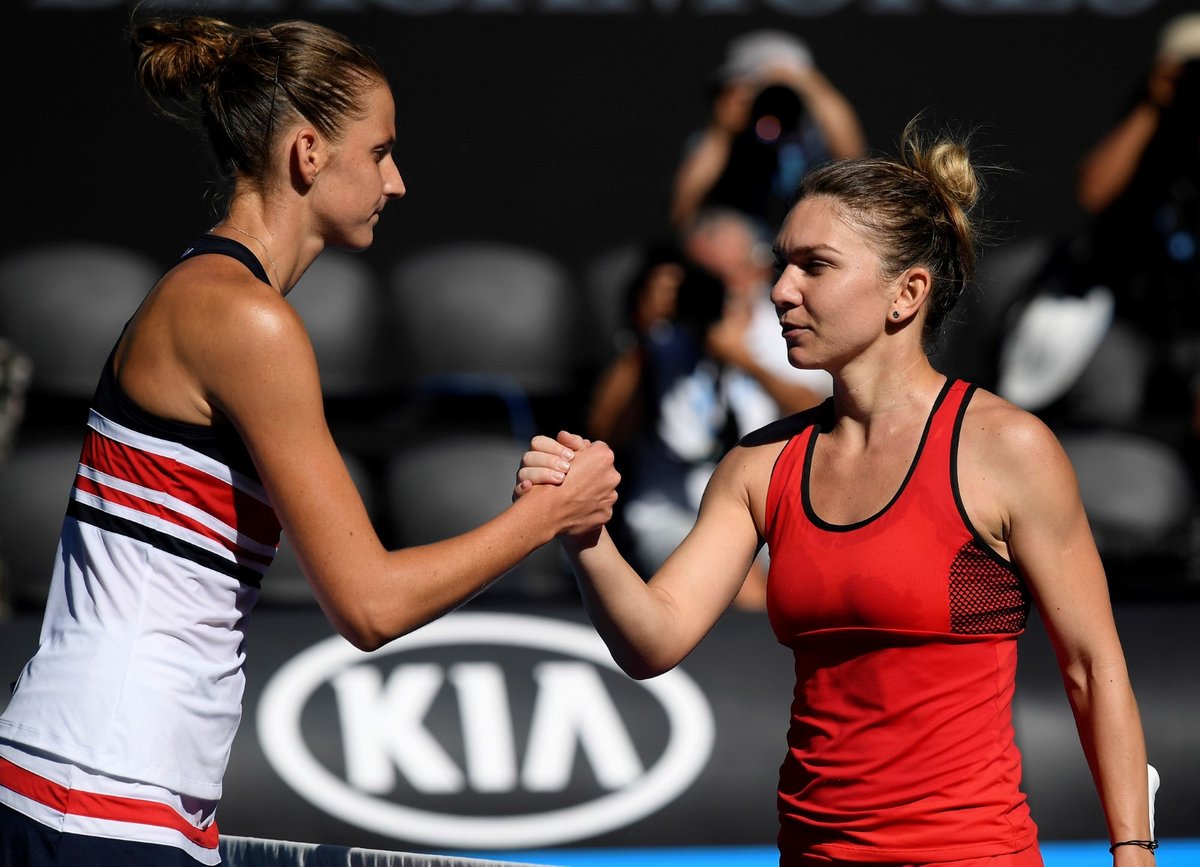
(574, 475)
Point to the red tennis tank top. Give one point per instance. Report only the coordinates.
(904, 630)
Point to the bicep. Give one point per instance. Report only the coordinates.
(267, 384)
(703, 575)
(1051, 542)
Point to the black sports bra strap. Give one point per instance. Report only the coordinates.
(226, 247)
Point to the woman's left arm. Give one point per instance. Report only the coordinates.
(1046, 530)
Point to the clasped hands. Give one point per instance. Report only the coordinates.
(583, 475)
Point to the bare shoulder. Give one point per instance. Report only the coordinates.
(745, 470)
(780, 431)
(231, 335)
(1001, 437)
(228, 295)
(761, 448)
(1011, 470)
(220, 314)
(752, 461)
(207, 323)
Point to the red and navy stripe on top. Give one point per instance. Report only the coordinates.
(157, 481)
(122, 724)
(165, 462)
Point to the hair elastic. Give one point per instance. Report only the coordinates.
(1149, 845)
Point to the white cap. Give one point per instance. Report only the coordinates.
(752, 53)
(1180, 37)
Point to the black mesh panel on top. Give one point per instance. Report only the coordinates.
(985, 596)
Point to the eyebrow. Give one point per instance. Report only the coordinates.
(792, 252)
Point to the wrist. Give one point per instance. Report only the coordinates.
(538, 512)
(575, 541)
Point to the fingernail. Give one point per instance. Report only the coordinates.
(564, 466)
(557, 476)
(568, 454)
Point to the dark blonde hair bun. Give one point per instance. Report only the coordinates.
(917, 210)
(244, 85)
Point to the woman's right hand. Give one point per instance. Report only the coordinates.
(580, 472)
(547, 461)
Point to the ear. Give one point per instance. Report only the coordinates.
(912, 289)
(308, 156)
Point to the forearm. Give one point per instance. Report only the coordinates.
(697, 174)
(375, 598)
(614, 397)
(836, 119)
(1107, 170)
(788, 396)
(1110, 732)
(632, 618)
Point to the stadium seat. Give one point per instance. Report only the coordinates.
(606, 278)
(440, 487)
(345, 309)
(1136, 491)
(64, 305)
(975, 329)
(35, 485)
(487, 320)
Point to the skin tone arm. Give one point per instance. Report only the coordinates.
(703, 164)
(213, 343)
(1035, 515)
(726, 342)
(832, 112)
(651, 626)
(1109, 166)
(700, 168)
(613, 411)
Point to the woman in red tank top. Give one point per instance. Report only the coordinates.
(911, 521)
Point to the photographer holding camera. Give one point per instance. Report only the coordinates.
(1141, 183)
(772, 116)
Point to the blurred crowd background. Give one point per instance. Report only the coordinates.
(593, 190)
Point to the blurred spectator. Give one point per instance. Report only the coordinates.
(772, 116)
(763, 385)
(703, 364)
(618, 408)
(1141, 182)
(660, 403)
(16, 371)
(1160, 101)
(1105, 343)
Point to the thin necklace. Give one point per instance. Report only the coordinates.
(260, 243)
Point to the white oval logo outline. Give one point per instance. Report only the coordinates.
(689, 716)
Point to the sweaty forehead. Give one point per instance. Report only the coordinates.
(819, 221)
(381, 108)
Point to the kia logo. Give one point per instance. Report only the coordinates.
(391, 751)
